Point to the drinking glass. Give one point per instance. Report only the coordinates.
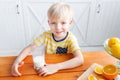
(38, 57)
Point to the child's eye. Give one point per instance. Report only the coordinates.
(63, 22)
(53, 23)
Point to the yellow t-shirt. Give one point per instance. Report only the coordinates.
(67, 45)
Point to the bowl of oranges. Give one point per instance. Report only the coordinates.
(112, 47)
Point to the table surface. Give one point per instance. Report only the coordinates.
(28, 73)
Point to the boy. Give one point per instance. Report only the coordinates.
(58, 41)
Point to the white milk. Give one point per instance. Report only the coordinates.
(38, 62)
(38, 57)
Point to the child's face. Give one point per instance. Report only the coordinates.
(59, 27)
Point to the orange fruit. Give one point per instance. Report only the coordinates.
(110, 72)
(92, 77)
(115, 50)
(101, 79)
(98, 70)
(113, 41)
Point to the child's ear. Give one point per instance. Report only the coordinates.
(48, 22)
(71, 21)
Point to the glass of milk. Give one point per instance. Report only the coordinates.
(38, 57)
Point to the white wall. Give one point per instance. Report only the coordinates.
(22, 20)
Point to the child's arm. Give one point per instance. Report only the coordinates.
(52, 68)
(18, 62)
(74, 62)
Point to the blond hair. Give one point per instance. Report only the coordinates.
(59, 10)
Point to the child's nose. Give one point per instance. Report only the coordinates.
(58, 26)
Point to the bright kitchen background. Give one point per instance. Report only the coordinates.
(23, 20)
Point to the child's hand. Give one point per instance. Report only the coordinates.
(48, 69)
(14, 70)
